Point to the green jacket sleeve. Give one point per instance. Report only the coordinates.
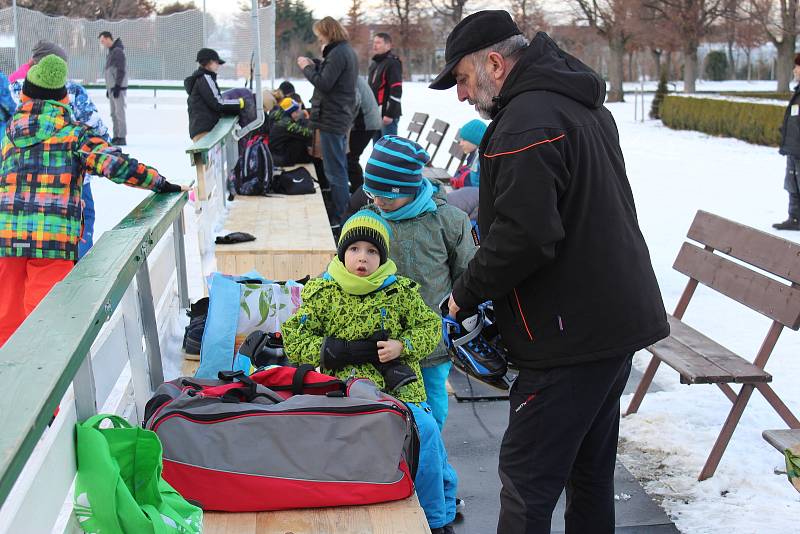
(422, 327)
(303, 332)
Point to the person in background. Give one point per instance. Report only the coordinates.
(790, 147)
(7, 104)
(20, 73)
(205, 102)
(467, 177)
(83, 110)
(366, 124)
(116, 85)
(289, 134)
(45, 155)
(287, 89)
(385, 77)
(333, 108)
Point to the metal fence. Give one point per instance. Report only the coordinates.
(157, 48)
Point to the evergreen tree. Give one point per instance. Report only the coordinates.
(655, 109)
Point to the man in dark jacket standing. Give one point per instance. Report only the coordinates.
(385, 78)
(564, 262)
(790, 147)
(116, 75)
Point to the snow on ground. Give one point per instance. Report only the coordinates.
(673, 174)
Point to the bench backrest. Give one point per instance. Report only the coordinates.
(435, 137)
(778, 299)
(456, 153)
(418, 122)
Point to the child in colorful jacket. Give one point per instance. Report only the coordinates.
(83, 110)
(360, 316)
(44, 158)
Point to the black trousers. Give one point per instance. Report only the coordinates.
(562, 433)
(359, 139)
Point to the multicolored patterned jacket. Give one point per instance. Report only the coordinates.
(328, 310)
(44, 158)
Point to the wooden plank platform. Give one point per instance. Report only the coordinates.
(293, 236)
(398, 517)
(783, 439)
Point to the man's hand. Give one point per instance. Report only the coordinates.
(453, 307)
(389, 350)
(387, 121)
(304, 62)
(116, 91)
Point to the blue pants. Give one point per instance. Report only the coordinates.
(435, 380)
(87, 240)
(436, 480)
(334, 160)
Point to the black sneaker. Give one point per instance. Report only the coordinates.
(789, 224)
(118, 141)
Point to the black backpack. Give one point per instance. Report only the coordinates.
(253, 172)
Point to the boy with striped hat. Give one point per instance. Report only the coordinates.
(359, 319)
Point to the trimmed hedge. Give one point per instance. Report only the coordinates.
(751, 122)
(756, 94)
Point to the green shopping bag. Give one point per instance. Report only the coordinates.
(119, 488)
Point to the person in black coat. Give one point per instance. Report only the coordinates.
(333, 107)
(564, 262)
(206, 104)
(385, 77)
(790, 147)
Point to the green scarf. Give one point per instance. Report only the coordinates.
(361, 285)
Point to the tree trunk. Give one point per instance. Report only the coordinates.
(748, 57)
(616, 68)
(689, 66)
(731, 62)
(785, 64)
(656, 54)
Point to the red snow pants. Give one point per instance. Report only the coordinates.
(24, 282)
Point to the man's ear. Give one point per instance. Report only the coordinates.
(496, 65)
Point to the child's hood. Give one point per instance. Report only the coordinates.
(37, 120)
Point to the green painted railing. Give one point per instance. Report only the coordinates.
(221, 130)
(43, 357)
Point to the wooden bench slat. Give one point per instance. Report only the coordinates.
(741, 370)
(763, 250)
(692, 368)
(436, 173)
(769, 297)
(783, 439)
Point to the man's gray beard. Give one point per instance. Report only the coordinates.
(484, 93)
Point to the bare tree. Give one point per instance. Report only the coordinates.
(355, 22)
(529, 16)
(452, 9)
(613, 20)
(92, 9)
(690, 20)
(778, 19)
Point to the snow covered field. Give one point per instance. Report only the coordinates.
(673, 174)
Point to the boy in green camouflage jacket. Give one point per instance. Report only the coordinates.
(361, 319)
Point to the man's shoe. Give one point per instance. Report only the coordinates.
(789, 224)
(118, 141)
(460, 506)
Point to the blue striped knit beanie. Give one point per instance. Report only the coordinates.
(395, 167)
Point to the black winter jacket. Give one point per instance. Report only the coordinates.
(205, 103)
(385, 78)
(561, 255)
(333, 104)
(790, 131)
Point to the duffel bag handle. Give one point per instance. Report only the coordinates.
(300, 377)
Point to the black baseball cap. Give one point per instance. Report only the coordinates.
(208, 54)
(476, 32)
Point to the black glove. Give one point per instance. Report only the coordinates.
(116, 90)
(337, 353)
(167, 187)
(396, 374)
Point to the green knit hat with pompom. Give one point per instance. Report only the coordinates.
(47, 79)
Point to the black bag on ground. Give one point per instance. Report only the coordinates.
(294, 182)
(252, 174)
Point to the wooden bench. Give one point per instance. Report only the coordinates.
(417, 124)
(293, 236)
(444, 174)
(785, 440)
(435, 137)
(398, 517)
(701, 360)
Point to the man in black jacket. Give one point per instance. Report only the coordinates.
(385, 78)
(564, 262)
(116, 74)
(790, 147)
(205, 103)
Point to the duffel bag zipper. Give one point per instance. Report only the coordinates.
(344, 410)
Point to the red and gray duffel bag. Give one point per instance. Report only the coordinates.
(283, 438)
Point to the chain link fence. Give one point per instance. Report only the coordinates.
(157, 48)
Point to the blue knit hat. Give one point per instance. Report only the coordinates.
(473, 131)
(395, 167)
